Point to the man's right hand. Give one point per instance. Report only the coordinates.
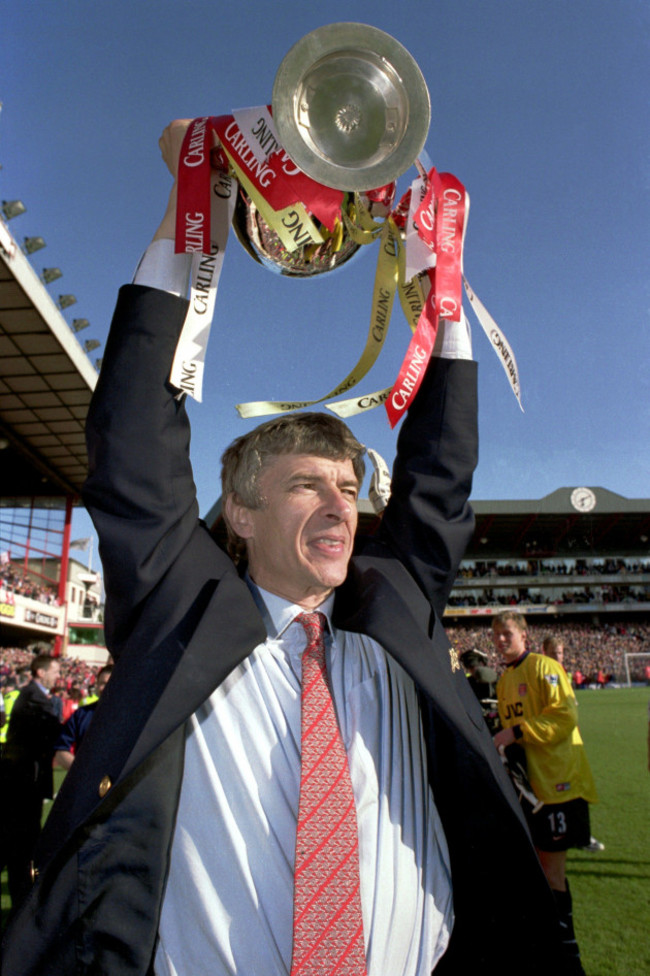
(171, 142)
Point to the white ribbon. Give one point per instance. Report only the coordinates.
(189, 358)
(498, 340)
(419, 256)
(380, 482)
(256, 124)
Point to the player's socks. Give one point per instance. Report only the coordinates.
(564, 906)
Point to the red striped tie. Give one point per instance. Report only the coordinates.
(327, 922)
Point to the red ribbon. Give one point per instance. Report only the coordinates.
(440, 221)
(193, 207)
(279, 180)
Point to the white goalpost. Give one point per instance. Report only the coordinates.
(628, 658)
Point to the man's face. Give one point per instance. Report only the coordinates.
(49, 676)
(300, 542)
(509, 640)
(101, 682)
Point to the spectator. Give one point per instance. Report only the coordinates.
(71, 702)
(27, 772)
(75, 728)
(483, 681)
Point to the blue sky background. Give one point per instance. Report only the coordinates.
(540, 107)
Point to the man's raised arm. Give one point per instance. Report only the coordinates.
(428, 521)
(140, 490)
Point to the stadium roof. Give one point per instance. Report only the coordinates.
(569, 523)
(46, 381)
(579, 522)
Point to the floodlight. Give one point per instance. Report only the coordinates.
(65, 301)
(51, 274)
(13, 208)
(91, 344)
(31, 244)
(79, 324)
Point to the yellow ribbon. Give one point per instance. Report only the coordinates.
(289, 224)
(385, 286)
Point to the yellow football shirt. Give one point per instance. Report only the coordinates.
(536, 695)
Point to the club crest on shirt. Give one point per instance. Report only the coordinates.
(523, 689)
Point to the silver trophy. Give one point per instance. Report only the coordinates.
(351, 106)
(352, 110)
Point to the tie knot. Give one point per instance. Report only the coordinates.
(314, 624)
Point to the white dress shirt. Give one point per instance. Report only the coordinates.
(228, 907)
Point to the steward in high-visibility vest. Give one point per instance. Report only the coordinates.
(9, 700)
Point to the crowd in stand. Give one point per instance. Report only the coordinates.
(589, 650)
(76, 681)
(489, 597)
(607, 592)
(13, 583)
(535, 567)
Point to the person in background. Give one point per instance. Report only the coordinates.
(65, 747)
(554, 648)
(12, 690)
(71, 702)
(483, 682)
(538, 710)
(26, 772)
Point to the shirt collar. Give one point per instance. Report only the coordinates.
(520, 660)
(278, 613)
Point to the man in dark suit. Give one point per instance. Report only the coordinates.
(170, 847)
(27, 772)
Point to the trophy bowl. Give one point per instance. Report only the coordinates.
(351, 106)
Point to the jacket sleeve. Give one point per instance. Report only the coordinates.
(428, 521)
(140, 491)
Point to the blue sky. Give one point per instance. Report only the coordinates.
(540, 107)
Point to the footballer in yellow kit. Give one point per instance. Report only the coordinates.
(538, 712)
(534, 695)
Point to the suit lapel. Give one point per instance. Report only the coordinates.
(229, 629)
(400, 618)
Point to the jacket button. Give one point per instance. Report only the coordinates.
(104, 786)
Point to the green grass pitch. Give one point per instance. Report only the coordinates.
(611, 889)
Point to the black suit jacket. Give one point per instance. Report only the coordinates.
(28, 751)
(179, 619)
